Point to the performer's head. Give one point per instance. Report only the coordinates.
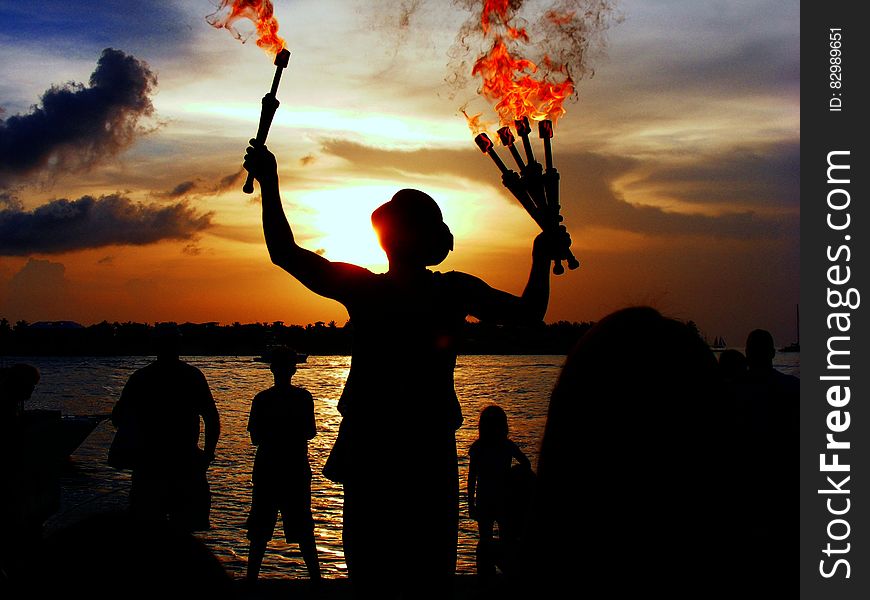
(411, 229)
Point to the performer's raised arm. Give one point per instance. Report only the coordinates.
(489, 304)
(314, 271)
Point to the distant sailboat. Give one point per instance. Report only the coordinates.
(718, 343)
(795, 346)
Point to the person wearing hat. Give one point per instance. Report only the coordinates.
(395, 453)
(159, 413)
(281, 423)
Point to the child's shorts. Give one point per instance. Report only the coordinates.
(294, 502)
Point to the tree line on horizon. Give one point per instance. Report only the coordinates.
(65, 338)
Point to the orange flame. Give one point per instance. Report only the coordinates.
(509, 82)
(474, 123)
(259, 12)
(515, 84)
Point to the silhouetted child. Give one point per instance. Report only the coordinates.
(280, 424)
(489, 483)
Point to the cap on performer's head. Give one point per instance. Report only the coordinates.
(410, 227)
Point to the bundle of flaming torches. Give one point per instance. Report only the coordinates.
(536, 189)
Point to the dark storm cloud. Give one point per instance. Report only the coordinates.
(181, 189)
(588, 194)
(64, 225)
(9, 200)
(229, 181)
(77, 126)
(199, 186)
(763, 175)
(428, 162)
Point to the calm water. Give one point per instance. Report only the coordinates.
(520, 384)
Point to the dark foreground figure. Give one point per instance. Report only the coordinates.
(768, 402)
(643, 483)
(29, 469)
(396, 449)
(115, 555)
(158, 420)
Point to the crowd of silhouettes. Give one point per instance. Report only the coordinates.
(664, 467)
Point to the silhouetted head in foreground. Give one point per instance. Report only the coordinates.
(16, 386)
(636, 420)
(114, 556)
(760, 350)
(411, 229)
(732, 364)
(493, 424)
(18, 381)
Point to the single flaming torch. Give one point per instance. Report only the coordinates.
(507, 139)
(551, 181)
(267, 112)
(523, 130)
(487, 147)
(545, 132)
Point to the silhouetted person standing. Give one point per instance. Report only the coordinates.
(281, 423)
(489, 484)
(29, 467)
(161, 406)
(396, 449)
(769, 403)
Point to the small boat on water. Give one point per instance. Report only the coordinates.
(266, 357)
(718, 343)
(795, 346)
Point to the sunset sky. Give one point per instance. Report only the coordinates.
(679, 160)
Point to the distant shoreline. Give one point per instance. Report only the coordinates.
(65, 338)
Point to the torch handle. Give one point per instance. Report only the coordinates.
(516, 154)
(498, 162)
(527, 146)
(548, 154)
(270, 105)
(267, 113)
